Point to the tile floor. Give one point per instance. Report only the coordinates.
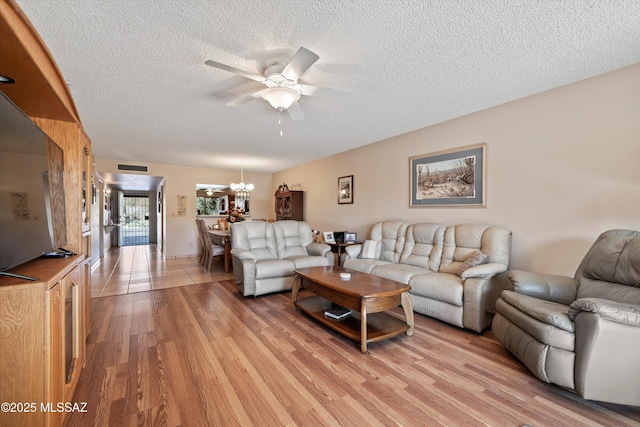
(131, 269)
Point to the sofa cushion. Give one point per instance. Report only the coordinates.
(309, 261)
(462, 240)
(476, 258)
(614, 258)
(399, 272)
(269, 268)
(438, 286)
(256, 237)
(292, 238)
(551, 313)
(363, 265)
(606, 290)
(392, 234)
(370, 250)
(423, 246)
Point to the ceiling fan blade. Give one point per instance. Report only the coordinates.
(295, 111)
(245, 98)
(252, 76)
(301, 61)
(323, 92)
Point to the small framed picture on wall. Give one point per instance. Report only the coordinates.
(345, 189)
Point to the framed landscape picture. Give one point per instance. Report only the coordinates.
(345, 189)
(451, 178)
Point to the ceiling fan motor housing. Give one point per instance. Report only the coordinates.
(275, 70)
(281, 92)
(274, 77)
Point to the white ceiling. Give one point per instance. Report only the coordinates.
(137, 69)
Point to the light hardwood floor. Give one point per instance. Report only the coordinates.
(202, 355)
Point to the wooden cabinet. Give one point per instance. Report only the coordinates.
(42, 339)
(289, 205)
(44, 323)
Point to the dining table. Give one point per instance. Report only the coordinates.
(223, 238)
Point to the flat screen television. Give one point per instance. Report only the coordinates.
(31, 190)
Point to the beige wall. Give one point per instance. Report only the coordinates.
(181, 238)
(562, 166)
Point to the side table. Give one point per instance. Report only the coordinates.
(338, 248)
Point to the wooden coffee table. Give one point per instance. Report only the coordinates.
(367, 297)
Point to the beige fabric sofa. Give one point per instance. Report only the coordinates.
(265, 254)
(428, 256)
(582, 333)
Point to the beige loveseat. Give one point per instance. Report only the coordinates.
(431, 259)
(581, 333)
(265, 254)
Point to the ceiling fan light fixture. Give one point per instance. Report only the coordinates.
(281, 97)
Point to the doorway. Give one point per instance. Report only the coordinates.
(134, 219)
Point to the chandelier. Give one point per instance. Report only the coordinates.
(242, 190)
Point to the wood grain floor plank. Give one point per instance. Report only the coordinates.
(261, 405)
(205, 355)
(183, 400)
(348, 411)
(290, 393)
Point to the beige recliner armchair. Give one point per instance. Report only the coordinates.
(266, 254)
(581, 333)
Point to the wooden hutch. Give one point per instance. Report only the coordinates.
(289, 204)
(44, 324)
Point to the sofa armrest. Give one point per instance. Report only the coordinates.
(628, 314)
(352, 251)
(560, 289)
(244, 270)
(484, 271)
(479, 301)
(607, 340)
(243, 254)
(318, 249)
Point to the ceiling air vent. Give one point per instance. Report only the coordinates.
(135, 168)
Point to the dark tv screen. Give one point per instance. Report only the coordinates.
(31, 189)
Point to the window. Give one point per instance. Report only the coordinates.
(210, 205)
(214, 199)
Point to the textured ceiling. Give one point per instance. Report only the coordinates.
(137, 69)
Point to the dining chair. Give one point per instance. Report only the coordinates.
(210, 249)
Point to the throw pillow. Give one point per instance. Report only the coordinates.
(371, 250)
(476, 258)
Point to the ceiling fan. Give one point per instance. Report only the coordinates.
(283, 90)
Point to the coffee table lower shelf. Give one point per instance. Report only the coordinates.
(380, 326)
